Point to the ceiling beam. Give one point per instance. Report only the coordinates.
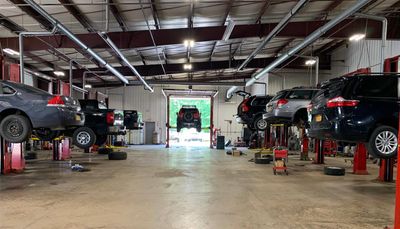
(283, 47)
(191, 15)
(10, 25)
(78, 14)
(262, 11)
(156, 70)
(330, 8)
(118, 16)
(227, 11)
(31, 12)
(155, 14)
(139, 39)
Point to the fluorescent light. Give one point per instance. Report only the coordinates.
(310, 62)
(11, 52)
(228, 30)
(187, 66)
(88, 86)
(188, 43)
(59, 73)
(357, 37)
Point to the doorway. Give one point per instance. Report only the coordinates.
(149, 128)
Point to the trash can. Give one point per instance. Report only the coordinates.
(220, 142)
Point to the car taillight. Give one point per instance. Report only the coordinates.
(56, 101)
(341, 102)
(110, 118)
(180, 114)
(281, 102)
(196, 115)
(244, 106)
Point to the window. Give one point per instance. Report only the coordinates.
(8, 90)
(300, 94)
(279, 95)
(260, 101)
(382, 86)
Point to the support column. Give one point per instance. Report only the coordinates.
(167, 125)
(319, 152)
(386, 170)
(17, 158)
(360, 160)
(211, 122)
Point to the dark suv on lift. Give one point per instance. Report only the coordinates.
(361, 108)
(188, 117)
(250, 112)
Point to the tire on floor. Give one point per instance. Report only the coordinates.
(334, 171)
(117, 155)
(104, 150)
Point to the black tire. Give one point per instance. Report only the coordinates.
(84, 137)
(198, 129)
(101, 139)
(15, 128)
(46, 134)
(178, 128)
(379, 133)
(117, 156)
(260, 124)
(105, 150)
(262, 160)
(30, 156)
(334, 171)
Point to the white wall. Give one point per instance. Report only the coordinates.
(153, 106)
(361, 54)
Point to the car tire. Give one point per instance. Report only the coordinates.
(260, 123)
(117, 155)
(178, 128)
(262, 160)
(84, 137)
(198, 129)
(18, 124)
(377, 148)
(46, 134)
(105, 150)
(334, 171)
(101, 139)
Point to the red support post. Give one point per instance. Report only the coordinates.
(319, 152)
(304, 146)
(397, 204)
(211, 122)
(386, 170)
(168, 126)
(360, 160)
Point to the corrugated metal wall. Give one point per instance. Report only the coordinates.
(361, 54)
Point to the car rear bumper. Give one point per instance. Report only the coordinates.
(340, 129)
(277, 115)
(58, 118)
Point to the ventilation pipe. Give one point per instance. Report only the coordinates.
(110, 43)
(70, 35)
(274, 32)
(307, 41)
(384, 34)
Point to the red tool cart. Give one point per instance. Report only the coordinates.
(280, 159)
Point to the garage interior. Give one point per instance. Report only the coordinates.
(199, 113)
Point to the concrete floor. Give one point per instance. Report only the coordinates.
(190, 188)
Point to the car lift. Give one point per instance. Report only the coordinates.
(304, 145)
(180, 92)
(276, 135)
(61, 149)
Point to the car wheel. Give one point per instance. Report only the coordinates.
(198, 129)
(261, 124)
(383, 142)
(117, 156)
(46, 134)
(101, 139)
(105, 150)
(84, 137)
(15, 128)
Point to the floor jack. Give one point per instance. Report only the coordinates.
(12, 157)
(61, 149)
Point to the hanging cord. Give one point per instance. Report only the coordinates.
(152, 38)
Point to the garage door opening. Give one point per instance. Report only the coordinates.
(189, 136)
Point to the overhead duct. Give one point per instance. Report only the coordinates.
(76, 40)
(274, 32)
(110, 43)
(307, 41)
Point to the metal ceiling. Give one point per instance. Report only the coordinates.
(171, 22)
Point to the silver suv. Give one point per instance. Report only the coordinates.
(289, 106)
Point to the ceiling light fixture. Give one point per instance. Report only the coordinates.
(188, 43)
(311, 62)
(88, 86)
(11, 52)
(357, 37)
(59, 73)
(187, 67)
